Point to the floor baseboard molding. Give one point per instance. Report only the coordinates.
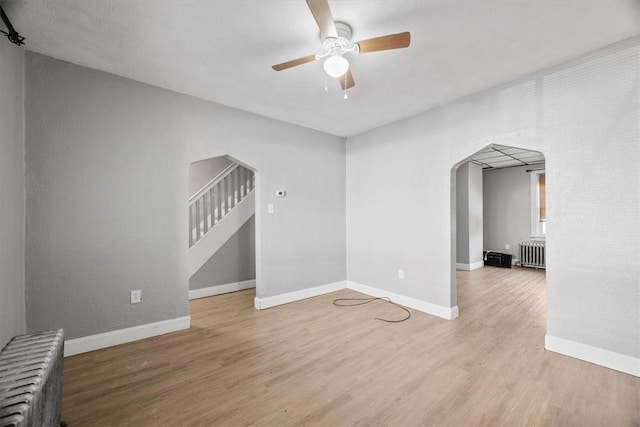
(608, 359)
(448, 313)
(477, 265)
(122, 336)
(221, 289)
(267, 302)
(469, 267)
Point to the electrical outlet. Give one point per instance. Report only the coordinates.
(270, 208)
(507, 246)
(136, 296)
(400, 274)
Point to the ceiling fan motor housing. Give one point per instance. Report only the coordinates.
(338, 45)
(344, 30)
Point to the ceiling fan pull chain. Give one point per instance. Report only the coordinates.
(326, 84)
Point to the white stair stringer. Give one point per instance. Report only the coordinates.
(211, 242)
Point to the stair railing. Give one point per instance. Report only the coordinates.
(216, 199)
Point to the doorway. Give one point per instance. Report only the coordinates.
(498, 214)
(222, 228)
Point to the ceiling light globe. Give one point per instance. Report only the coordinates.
(336, 66)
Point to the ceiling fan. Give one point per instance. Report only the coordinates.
(337, 42)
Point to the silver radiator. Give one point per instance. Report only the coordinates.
(532, 254)
(31, 380)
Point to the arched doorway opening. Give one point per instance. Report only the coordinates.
(498, 231)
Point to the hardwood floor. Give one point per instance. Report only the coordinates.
(311, 363)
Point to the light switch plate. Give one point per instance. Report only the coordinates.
(136, 296)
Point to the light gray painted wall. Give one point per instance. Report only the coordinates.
(476, 217)
(462, 213)
(583, 116)
(507, 209)
(469, 213)
(108, 161)
(12, 208)
(200, 173)
(234, 262)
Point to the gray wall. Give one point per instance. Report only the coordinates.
(200, 173)
(234, 262)
(583, 116)
(108, 161)
(469, 212)
(476, 214)
(462, 214)
(12, 209)
(507, 209)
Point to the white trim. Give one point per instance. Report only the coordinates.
(121, 336)
(448, 313)
(221, 289)
(477, 265)
(536, 224)
(609, 359)
(469, 267)
(267, 302)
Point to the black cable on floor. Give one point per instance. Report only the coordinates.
(337, 303)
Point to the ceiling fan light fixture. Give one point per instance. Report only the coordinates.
(336, 65)
(336, 42)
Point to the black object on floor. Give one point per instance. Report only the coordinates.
(497, 259)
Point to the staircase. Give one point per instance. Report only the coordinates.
(223, 205)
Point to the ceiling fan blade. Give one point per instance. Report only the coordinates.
(392, 41)
(294, 63)
(346, 81)
(322, 14)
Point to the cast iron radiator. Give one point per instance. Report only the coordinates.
(532, 254)
(31, 380)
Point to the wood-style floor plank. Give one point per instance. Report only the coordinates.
(311, 363)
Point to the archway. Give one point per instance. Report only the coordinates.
(498, 212)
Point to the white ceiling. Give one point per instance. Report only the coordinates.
(223, 50)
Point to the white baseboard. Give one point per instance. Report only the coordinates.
(609, 359)
(121, 336)
(477, 265)
(448, 313)
(469, 267)
(436, 310)
(221, 289)
(267, 302)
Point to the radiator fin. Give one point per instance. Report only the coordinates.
(31, 380)
(533, 254)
